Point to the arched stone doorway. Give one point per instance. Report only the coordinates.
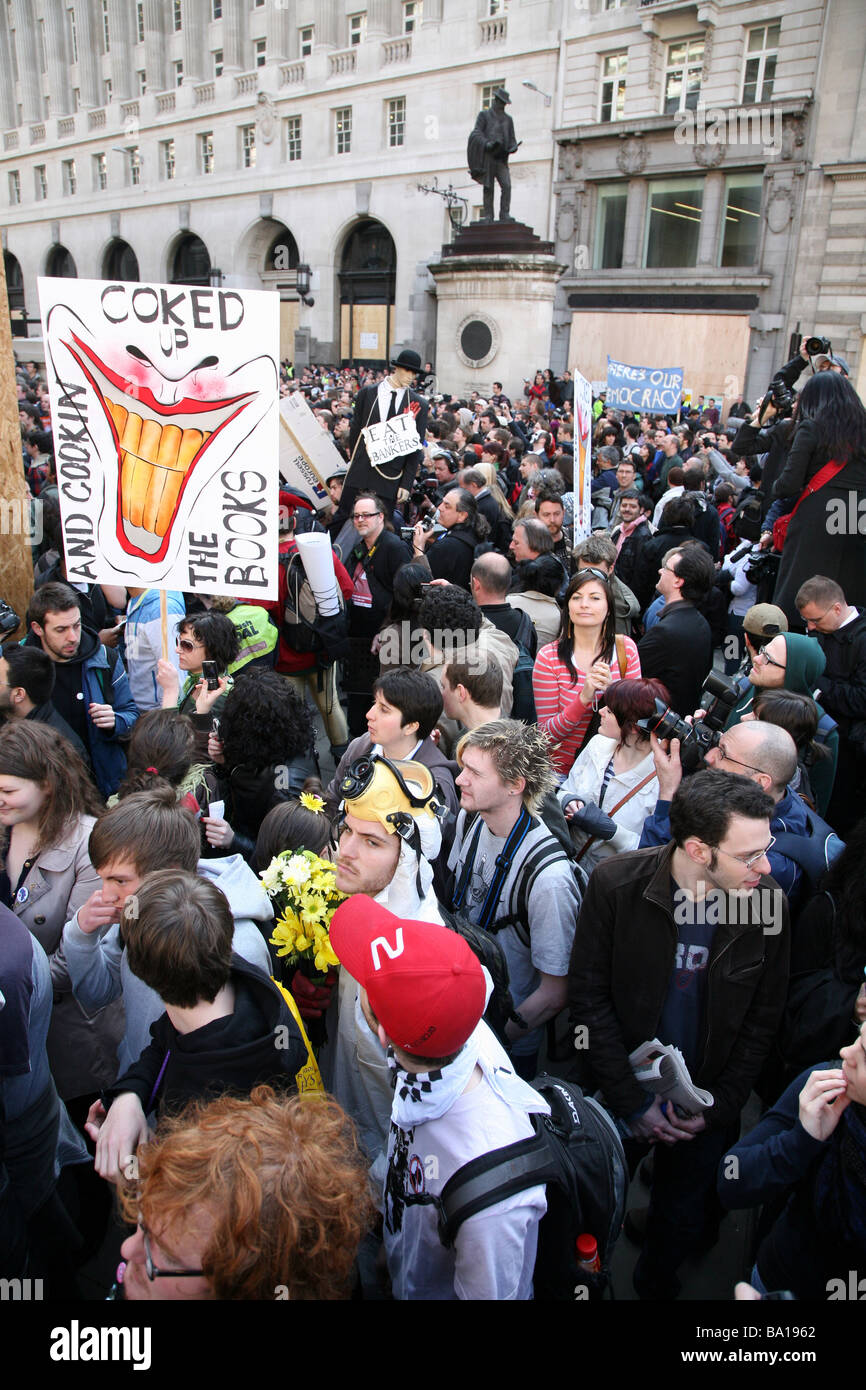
(120, 262)
(269, 256)
(15, 291)
(189, 262)
(60, 263)
(368, 273)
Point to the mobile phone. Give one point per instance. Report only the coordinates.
(209, 672)
(215, 727)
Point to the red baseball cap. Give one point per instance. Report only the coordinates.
(425, 984)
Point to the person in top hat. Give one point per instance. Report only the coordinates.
(373, 404)
(491, 142)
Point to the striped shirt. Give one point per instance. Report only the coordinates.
(558, 706)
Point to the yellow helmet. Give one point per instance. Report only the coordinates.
(393, 793)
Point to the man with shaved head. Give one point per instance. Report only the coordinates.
(490, 580)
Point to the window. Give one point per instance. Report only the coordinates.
(100, 173)
(217, 56)
(14, 187)
(343, 129)
(495, 7)
(106, 34)
(293, 138)
(46, 108)
(412, 15)
(487, 93)
(612, 4)
(177, 69)
(216, 9)
(134, 158)
(305, 41)
(683, 75)
(167, 155)
(357, 28)
(107, 90)
(76, 99)
(613, 70)
(205, 152)
(69, 178)
(761, 53)
(141, 76)
(139, 20)
(260, 53)
(41, 182)
(258, 4)
(396, 121)
(741, 229)
(610, 226)
(73, 35)
(177, 16)
(248, 146)
(673, 223)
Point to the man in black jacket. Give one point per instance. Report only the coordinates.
(26, 686)
(678, 649)
(451, 554)
(373, 405)
(675, 943)
(372, 566)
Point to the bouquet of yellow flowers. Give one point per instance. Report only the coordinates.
(305, 897)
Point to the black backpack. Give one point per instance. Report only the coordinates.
(500, 1007)
(747, 521)
(577, 1153)
(523, 702)
(303, 627)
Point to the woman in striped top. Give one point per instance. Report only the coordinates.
(571, 673)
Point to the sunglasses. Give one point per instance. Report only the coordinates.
(186, 645)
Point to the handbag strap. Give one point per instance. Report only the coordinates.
(621, 655)
(825, 475)
(613, 810)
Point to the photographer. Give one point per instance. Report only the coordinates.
(452, 555)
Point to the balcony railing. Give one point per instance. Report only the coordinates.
(246, 83)
(397, 50)
(204, 93)
(343, 62)
(37, 133)
(10, 140)
(65, 127)
(96, 119)
(495, 29)
(291, 74)
(129, 111)
(165, 102)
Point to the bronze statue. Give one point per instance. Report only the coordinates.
(491, 142)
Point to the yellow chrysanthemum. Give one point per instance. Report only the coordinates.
(312, 803)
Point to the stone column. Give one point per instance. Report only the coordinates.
(88, 28)
(330, 25)
(195, 54)
(57, 60)
(635, 221)
(8, 113)
(282, 30)
(379, 19)
(28, 60)
(711, 213)
(16, 562)
(120, 17)
(236, 57)
(432, 12)
(154, 44)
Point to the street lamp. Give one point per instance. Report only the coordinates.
(216, 277)
(532, 87)
(303, 280)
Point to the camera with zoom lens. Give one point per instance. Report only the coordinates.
(426, 523)
(9, 619)
(819, 347)
(720, 694)
(781, 397)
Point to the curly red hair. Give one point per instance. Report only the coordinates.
(282, 1179)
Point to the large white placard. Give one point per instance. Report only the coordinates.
(164, 412)
(391, 439)
(308, 454)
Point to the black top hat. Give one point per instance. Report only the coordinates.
(501, 95)
(407, 359)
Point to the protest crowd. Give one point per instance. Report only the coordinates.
(372, 953)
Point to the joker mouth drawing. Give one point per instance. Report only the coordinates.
(161, 431)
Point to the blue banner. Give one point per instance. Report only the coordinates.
(655, 389)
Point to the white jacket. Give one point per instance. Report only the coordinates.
(584, 782)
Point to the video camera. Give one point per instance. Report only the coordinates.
(719, 696)
(9, 619)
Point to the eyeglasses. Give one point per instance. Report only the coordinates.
(813, 622)
(186, 645)
(762, 656)
(363, 516)
(753, 858)
(728, 759)
(154, 1273)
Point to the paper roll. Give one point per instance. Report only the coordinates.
(318, 562)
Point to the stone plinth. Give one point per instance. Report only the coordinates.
(494, 289)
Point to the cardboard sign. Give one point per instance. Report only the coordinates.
(654, 389)
(308, 455)
(391, 439)
(164, 412)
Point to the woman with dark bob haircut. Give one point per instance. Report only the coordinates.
(202, 637)
(615, 772)
(264, 753)
(572, 674)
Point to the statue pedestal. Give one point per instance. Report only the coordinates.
(494, 288)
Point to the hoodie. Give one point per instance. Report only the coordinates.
(234, 1053)
(100, 972)
(804, 667)
(143, 638)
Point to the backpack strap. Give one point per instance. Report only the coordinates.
(521, 828)
(492, 1178)
(551, 852)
